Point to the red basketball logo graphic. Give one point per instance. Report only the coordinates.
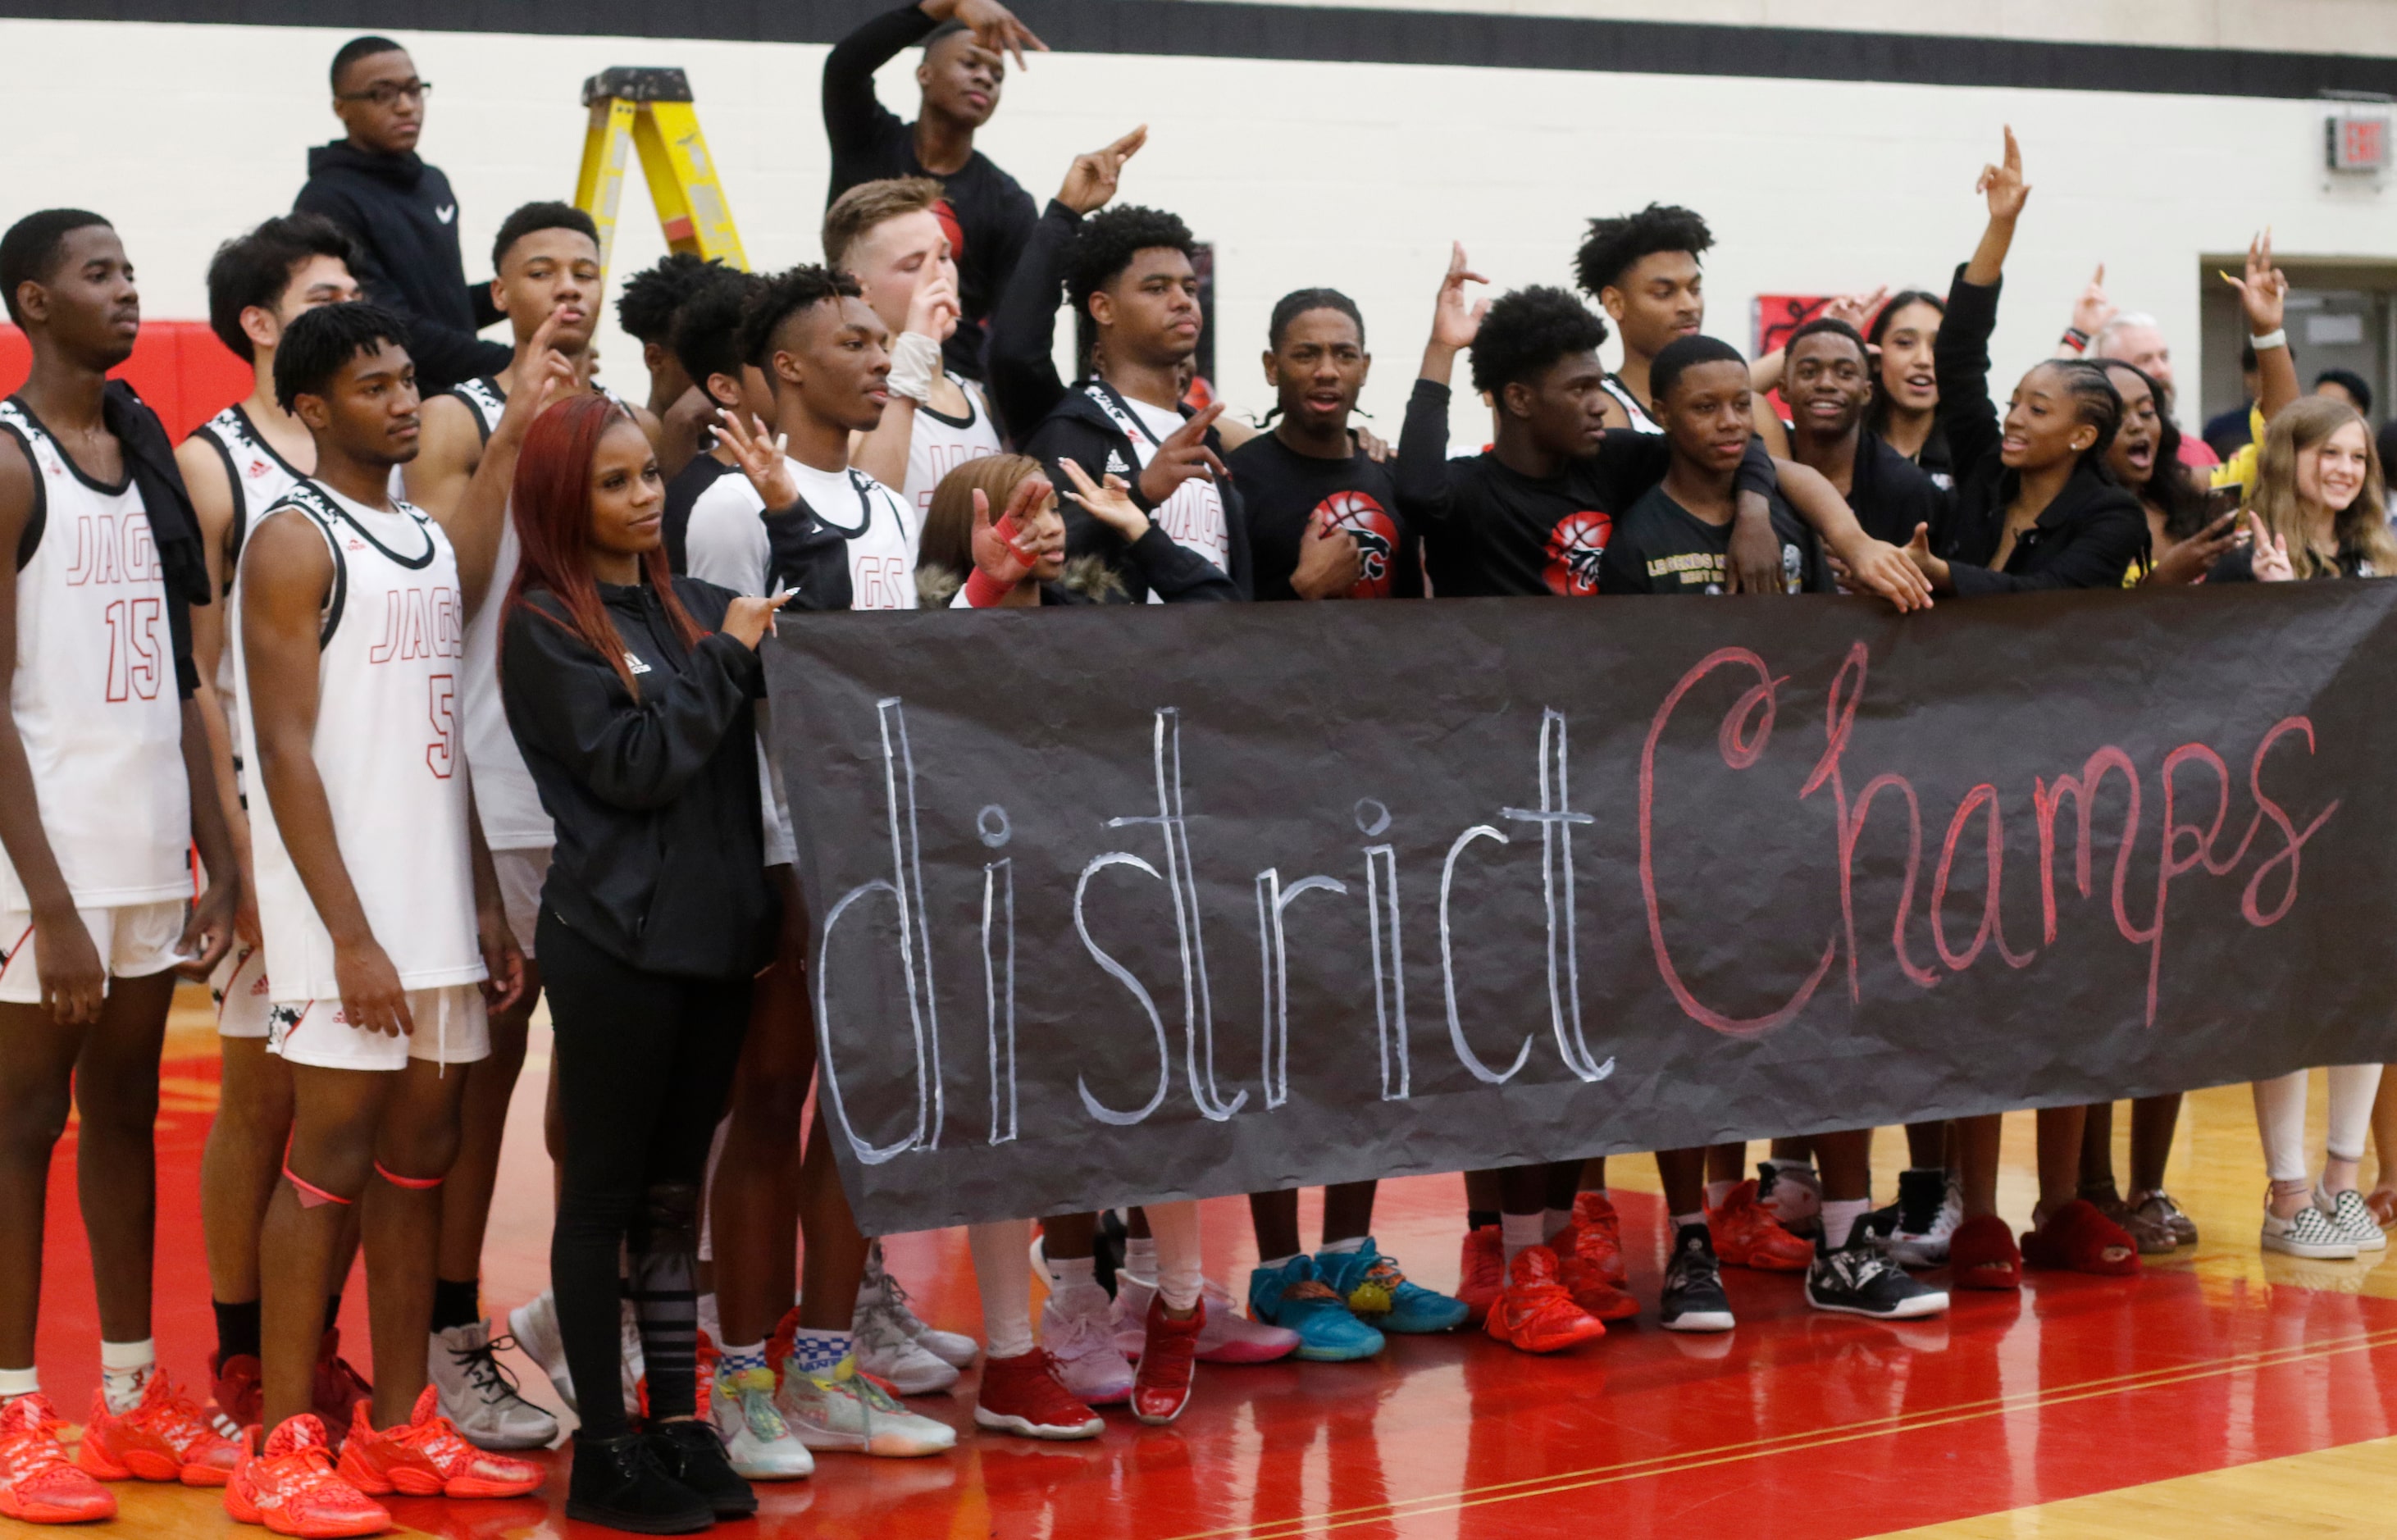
(1376, 535)
(1574, 547)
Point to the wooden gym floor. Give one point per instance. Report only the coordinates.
(2226, 1393)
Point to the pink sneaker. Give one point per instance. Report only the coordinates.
(1228, 1337)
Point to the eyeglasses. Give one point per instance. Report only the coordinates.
(389, 92)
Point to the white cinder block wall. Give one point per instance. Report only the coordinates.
(1352, 175)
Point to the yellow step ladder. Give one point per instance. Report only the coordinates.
(651, 109)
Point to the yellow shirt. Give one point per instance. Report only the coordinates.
(2240, 469)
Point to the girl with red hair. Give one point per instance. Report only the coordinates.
(630, 691)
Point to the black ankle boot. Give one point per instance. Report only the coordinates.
(694, 1456)
(622, 1484)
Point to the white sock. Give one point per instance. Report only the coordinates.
(1840, 1216)
(1680, 1219)
(740, 1358)
(1553, 1222)
(124, 1369)
(1520, 1232)
(1350, 1247)
(1180, 1279)
(1070, 1273)
(820, 1352)
(1276, 1264)
(1003, 1272)
(1717, 1192)
(19, 1381)
(1140, 1257)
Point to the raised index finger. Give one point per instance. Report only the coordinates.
(1129, 146)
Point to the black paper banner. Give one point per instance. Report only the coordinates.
(1123, 904)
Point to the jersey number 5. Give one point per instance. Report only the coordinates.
(441, 754)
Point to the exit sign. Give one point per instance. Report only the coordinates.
(2357, 140)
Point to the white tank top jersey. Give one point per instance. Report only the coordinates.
(94, 699)
(1193, 518)
(259, 477)
(1632, 407)
(939, 445)
(505, 799)
(727, 546)
(387, 747)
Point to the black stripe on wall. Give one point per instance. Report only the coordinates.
(1209, 30)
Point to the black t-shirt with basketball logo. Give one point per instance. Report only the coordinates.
(1490, 530)
(1286, 491)
(1661, 547)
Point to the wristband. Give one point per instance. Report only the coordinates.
(2277, 338)
(915, 359)
(983, 591)
(2076, 339)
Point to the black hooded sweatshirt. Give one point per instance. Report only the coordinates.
(404, 217)
(1083, 422)
(2093, 532)
(660, 843)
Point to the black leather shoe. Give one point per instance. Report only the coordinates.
(622, 1484)
(694, 1456)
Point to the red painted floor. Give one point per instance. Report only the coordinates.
(1797, 1426)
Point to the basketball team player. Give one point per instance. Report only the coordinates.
(104, 788)
(893, 237)
(238, 464)
(549, 288)
(1132, 285)
(802, 517)
(378, 905)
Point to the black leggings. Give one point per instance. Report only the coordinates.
(644, 1064)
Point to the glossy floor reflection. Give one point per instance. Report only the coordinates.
(2079, 1407)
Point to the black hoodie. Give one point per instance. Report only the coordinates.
(404, 217)
(659, 858)
(2093, 532)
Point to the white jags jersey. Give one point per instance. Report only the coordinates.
(387, 748)
(259, 477)
(93, 699)
(940, 444)
(505, 799)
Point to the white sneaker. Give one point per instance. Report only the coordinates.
(2352, 1219)
(843, 1410)
(886, 1348)
(1929, 1247)
(534, 1325)
(758, 1444)
(479, 1396)
(1076, 1329)
(2309, 1232)
(882, 1295)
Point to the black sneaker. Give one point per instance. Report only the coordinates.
(1858, 1280)
(619, 1484)
(693, 1455)
(1692, 1299)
